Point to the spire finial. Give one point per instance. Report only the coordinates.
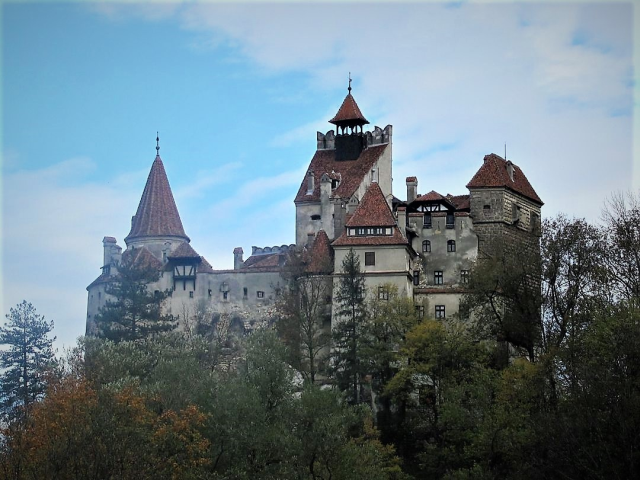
(157, 144)
(349, 83)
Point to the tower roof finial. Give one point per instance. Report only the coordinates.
(349, 83)
(157, 144)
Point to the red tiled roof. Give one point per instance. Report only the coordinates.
(141, 257)
(184, 251)
(321, 255)
(493, 173)
(373, 210)
(430, 197)
(461, 202)
(349, 113)
(157, 214)
(395, 239)
(351, 173)
(269, 260)
(204, 266)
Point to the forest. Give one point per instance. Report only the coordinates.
(537, 377)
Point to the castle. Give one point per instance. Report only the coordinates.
(424, 245)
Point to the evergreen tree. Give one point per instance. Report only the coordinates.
(26, 360)
(347, 332)
(135, 313)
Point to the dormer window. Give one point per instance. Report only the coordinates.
(334, 183)
(369, 231)
(310, 183)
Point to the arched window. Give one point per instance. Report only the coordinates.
(451, 246)
(426, 246)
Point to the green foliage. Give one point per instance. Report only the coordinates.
(135, 313)
(25, 361)
(347, 332)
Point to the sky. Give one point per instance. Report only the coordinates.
(237, 92)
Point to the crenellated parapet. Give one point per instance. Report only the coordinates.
(270, 250)
(378, 136)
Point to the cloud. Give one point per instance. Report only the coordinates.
(53, 224)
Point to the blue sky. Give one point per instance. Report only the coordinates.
(238, 91)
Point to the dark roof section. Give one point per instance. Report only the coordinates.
(204, 266)
(352, 173)
(494, 173)
(373, 210)
(157, 214)
(142, 258)
(349, 113)
(461, 202)
(320, 257)
(184, 251)
(259, 261)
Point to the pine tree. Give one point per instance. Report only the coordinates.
(135, 313)
(26, 361)
(346, 333)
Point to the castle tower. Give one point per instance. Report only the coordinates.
(156, 224)
(503, 205)
(343, 167)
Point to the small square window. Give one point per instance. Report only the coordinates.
(440, 311)
(383, 293)
(451, 246)
(426, 246)
(420, 311)
(369, 258)
(191, 294)
(438, 277)
(260, 294)
(464, 276)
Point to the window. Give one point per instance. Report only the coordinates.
(451, 246)
(190, 293)
(426, 246)
(383, 293)
(260, 294)
(427, 220)
(210, 292)
(225, 295)
(334, 184)
(450, 220)
(310, 184)
(369, 258)
(464, 276)
(438, 277)
(416, 277)
(315, 217)
(535, 224)
(244, 291)
(420, 311)
(362, 231)
(440, 311)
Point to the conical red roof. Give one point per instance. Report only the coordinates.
(349, 113)
(157, 214)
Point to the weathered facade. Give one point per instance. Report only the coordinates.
(425, 245)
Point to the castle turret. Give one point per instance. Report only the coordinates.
(349, 142)
(157, 221)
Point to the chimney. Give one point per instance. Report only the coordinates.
(108, 243)
(238, 262)
(510, 170)
(412, 189)
(402, 220)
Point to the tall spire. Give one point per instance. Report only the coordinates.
(157, 214)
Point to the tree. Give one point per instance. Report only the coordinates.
(303, 311)
(26, 361)
(351, 312)
(135, 313)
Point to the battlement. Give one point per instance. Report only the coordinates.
(378, 136)
(270, 250)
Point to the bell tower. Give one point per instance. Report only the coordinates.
(350, 140)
